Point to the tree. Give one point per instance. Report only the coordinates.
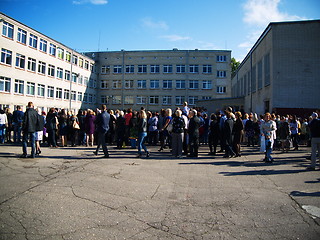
(234, 66)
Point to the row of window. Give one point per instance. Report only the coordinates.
(31, 89)
(117, 69)
(43, 68)
(43, 45)
(155, 84)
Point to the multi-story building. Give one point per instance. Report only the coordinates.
(281, 72)
(34, 67)
(162, 78)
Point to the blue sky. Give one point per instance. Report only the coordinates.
(92, 25)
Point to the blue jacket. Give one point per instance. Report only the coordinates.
(102, 122)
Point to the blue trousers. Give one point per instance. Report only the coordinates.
(32, 137)
(141, 139)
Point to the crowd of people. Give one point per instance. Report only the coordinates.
(181, 131)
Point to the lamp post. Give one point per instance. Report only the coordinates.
(71, 61)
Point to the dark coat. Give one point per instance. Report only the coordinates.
(227, 129)
(30, 120)
(102, 122)
(194, 125)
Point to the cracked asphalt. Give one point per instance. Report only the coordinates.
(69, 193)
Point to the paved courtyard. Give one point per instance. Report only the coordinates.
(69, 193)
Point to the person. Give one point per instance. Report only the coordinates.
(63, 127)
(9, 127)
(294, 131)
(314, 126)
(127, 118)
(39, 132)
(167, 121)
(153, 129)
(81, 132)
(133, 128)
(237, 134)
(29, 127)
(3, 125)
(142, 133)
(213, 134)
(52, 126)
(17, 119)
(120, 129)
(102, 123)
(178, 125)
(89, 127)
(112, 127)
(250, 132)
(74, 128)
(193, 131)
(268, 132)
(227, 129)
(284, 134)
(185, 108)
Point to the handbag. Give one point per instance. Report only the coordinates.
(75, 125)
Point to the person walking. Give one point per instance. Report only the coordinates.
(29, 127)
(178, 125)
(267, 130)
(142, 133)
(102, 123)
(314, 126)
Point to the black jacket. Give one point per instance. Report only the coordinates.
(194, 125)
(102, 122)
(30, 120)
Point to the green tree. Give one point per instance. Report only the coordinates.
(234, 66)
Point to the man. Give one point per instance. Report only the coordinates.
(29, 127)
(193, 131)
(17, 119)
(102, 122)
(314, 126)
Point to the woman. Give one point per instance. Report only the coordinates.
(249, 128)
(63, 127)
(133, 126)
(90, 127)
(213, 134)
(237, 134)
(112, 127)
(178, 126)
(52, 126)
(39, 134)
(267, 130)
(120, 129)
(142, 133)
(167, 121)
(153, 129)
(9, 128)
(74, 128)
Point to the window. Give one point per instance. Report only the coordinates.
(142, 68)
(154, 84)
(33, 41)
(128, 100)
(52, 49)
(60, 53)
(167, 68)
(180, 84)
(31, 64)
(80, 79)
(221, 58)
(67, 75)
(80, 96)
(81, 62)
(20, 61)
(31, 88)
(43, 45)
(59, 73)
(18, 86)
(267, 69)
(92, 68)
(59, 93)
(141, 100)
(117, 69)
(5, 84)
(42, 67)
(166, 100)
(260, 74)
(167, 84)
(179, 100)
(129, 68)
(207, 68)
(116, 100)
(41, 90)
(221, 89)
(73, 95)
(193, 84)
(22, 36)
(51, 70)
(155, 69)
(6, 56)
(206, 84)
(254, 80)
(154, 100)
(104, 99)
(193, 68)
(75, 59)
(116, 84)
(142, 84)
(68, 56)
(74, 77)
(7, 30)
(85, 97)
(86, 81)
(103, 84)
(206, 98)
(221, 74)
(181, 68)
(86, 65)
(50, 92)
(128, 84)
(66, 94)
(192, 100)
(105, 69)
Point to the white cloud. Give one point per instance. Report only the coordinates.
(94, 2)
(262, 12)
(174, 38)
(150, 23)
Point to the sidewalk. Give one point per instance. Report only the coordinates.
(69, 193)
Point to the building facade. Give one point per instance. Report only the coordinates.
(281, 73)
(34, 67)
(163, 78)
